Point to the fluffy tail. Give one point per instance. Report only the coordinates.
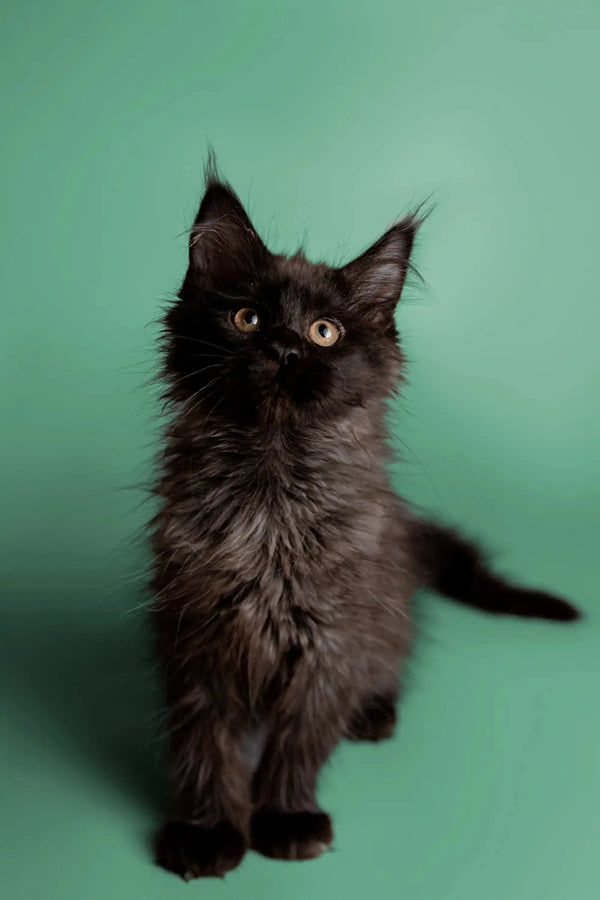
(453, 566)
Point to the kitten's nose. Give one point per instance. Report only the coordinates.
(284, 348)
(284, 355)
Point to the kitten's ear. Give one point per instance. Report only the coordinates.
(224, 246)
(376, 277)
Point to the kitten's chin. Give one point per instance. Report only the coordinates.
(294, 391)
(283, 384)
(283, 400)
(286, 391)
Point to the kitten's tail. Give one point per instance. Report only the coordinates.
(453, 566)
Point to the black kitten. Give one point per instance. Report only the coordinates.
(284, 564)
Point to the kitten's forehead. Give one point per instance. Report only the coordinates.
(298, 286)
(300, 268)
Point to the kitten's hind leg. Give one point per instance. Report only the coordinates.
(375, 719)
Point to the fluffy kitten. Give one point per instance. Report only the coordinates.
(284, 564)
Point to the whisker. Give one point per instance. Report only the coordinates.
(214, 409)
(197, 372)
(194, 340)
(198, 396)
(432, 484)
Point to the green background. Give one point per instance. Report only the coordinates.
(330, 119)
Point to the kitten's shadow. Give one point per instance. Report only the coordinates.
(80, 679)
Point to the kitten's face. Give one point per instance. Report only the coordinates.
(257, 337)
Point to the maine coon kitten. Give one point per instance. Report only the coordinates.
(284, 564)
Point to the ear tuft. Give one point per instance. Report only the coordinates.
(375, 278)
(224, 245)
(211, 169)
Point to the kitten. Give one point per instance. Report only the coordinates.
(284, 564)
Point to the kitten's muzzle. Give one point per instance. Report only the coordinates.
(284, 348)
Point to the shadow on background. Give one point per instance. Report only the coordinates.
(79, 679)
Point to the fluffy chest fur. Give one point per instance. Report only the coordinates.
(276, 553)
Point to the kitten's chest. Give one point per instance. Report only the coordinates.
(280, 558)
(291, 558)
(274, 531)
(280, 528)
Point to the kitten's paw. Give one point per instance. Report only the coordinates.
(375, 721)
(290, 835)
(195, 852)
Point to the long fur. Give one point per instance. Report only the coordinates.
(284, 564)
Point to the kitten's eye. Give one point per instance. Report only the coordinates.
(324, 333)
(246, 319)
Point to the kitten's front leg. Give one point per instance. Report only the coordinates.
(287, 822)
(206, 833)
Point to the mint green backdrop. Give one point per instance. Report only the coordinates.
(330, 119)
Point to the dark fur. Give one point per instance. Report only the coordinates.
(284, 565)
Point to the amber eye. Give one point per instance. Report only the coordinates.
(324, 333)
(246, 319)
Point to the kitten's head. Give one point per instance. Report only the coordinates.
(257, 337)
